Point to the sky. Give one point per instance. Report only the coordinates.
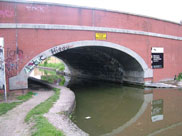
(163, 9)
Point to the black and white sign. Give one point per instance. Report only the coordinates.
(157, 57)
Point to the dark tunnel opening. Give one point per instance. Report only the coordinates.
(102, 63)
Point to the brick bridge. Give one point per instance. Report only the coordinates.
(94, 43)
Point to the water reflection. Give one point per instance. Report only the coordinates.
(115, 110)
(157, 110)
(168, 104)
(104, 107)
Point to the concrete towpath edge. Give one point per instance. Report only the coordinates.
(58, 115)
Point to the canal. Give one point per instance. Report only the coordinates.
(106, 109)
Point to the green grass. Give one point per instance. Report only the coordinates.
(5, 107)
(25, 97)
(42, 126)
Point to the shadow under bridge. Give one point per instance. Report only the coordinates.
(102, 63)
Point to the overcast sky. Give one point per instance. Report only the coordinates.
(163, 9)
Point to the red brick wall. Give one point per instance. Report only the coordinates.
(31, 42)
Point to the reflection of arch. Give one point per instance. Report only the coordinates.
(147, 99)
(22, 77)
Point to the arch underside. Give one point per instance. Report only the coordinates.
(102, 63)
(96, 60)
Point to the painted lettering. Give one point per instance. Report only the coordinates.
(33, 8)
(59, 49)
(13, 60)
(6, 13)
(13, 53)
(30, 66)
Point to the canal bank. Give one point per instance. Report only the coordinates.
(13, 122)
(130, 113)
(58, 115)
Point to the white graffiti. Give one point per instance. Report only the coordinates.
(1, 60)
(1, 67)
(33, 8)
(30, 66)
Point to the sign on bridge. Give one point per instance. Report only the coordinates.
(100, 36)
(157, 57)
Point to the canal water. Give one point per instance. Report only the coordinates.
(105, 109)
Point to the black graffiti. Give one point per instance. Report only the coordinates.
(1, 66)
(1, 51)
(59, 49)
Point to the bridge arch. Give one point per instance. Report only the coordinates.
(130, 65)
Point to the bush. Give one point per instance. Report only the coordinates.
(52, 76)
(59, 66)
(179, 78)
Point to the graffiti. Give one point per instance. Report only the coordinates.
(12, 67)
(32, 8)
(59, 49)
(6, 13)
(30, 66)
(14, 59)
(1, 67)
(13, 53)
(1, 60)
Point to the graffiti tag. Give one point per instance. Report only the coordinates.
(32, 8)
(1, 60)
(59, 49)
(13, 53)
(1, 67)
(6, 13)
(30, 66)
(14, 58)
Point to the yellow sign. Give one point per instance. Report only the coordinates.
(100, 36)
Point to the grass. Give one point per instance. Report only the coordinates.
(42, 127)
(25, 97)
(5, 107)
